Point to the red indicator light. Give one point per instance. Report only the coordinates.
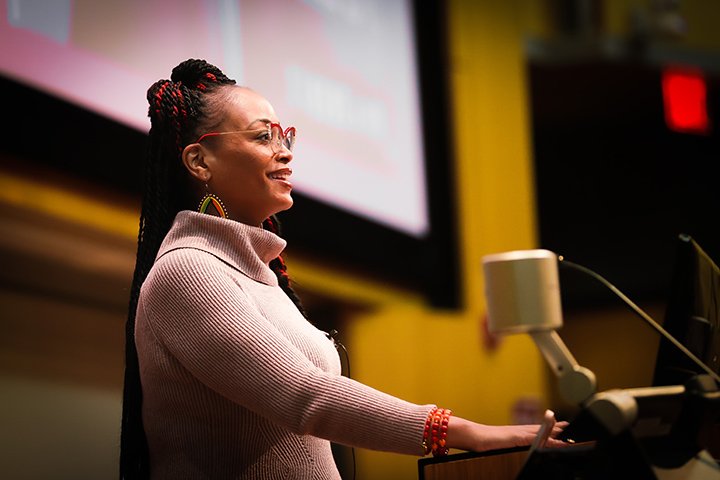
(685, 100)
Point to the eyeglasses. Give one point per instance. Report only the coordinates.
(273, 135)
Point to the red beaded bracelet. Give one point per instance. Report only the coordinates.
(426, 431)
(435, 432)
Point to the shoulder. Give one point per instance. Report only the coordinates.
(189, 280)
(186, 269)
(188, 261)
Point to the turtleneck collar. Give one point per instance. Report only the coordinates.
(246, 248)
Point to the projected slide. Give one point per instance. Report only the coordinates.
(342, 71)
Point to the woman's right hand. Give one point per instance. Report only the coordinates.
(466, 435)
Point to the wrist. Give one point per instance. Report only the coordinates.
(465, 435)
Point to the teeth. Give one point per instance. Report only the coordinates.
(279, 176)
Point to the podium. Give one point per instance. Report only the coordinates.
(503, 464)
(506, 464)
(619, 459)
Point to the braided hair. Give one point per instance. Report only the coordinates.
(278, 266)
(180, 109)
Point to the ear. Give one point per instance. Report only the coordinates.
(193, 157)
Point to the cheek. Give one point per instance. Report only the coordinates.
(242, 173)
(247, 176)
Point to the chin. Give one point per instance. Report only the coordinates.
(285, 204)
(288, 202)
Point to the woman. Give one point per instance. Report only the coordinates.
(225, 378)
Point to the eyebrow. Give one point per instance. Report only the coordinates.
(263, 120)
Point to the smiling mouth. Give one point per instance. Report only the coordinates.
(283, 175)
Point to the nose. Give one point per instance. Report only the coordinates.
(284, 155)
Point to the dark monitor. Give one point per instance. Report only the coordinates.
(692, 316)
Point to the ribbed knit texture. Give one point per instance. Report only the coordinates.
(236, 382)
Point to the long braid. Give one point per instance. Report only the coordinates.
(280, 268)
(177, 110)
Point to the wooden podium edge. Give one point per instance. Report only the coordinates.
(423, 462)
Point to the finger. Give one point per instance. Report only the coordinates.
(555, 443)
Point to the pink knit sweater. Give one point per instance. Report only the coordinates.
(236, 382)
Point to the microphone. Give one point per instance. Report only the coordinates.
(648, 319)
(339, 347)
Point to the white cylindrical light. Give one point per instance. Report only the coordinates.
(522, 289)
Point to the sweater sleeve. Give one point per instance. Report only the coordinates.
(207, 322)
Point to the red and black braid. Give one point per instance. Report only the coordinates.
(178, 109)
(280, 268)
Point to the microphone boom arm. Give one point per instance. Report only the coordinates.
(576, 383)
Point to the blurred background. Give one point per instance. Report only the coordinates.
(431, 133)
